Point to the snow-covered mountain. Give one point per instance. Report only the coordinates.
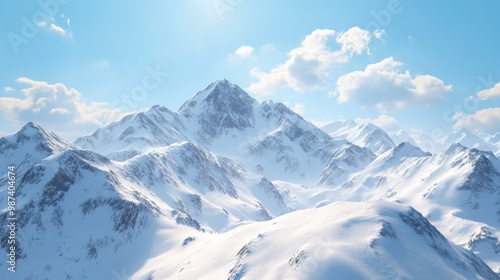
(268, 137)
(29, 146)
(74, 210)
(426, 143)
(215, 192)
(369, 240)
(401, 136)
(229, 187)
(135, 133)
(468, 139)
(458, 190)
(364, 135)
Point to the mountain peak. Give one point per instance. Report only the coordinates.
(31, 144)
(218, 107)
(219, 92)
(30, 128)
(32, 131)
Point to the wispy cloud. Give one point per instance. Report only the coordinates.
(58, 29)
(50, 25)
(244, 51)
(310, 63)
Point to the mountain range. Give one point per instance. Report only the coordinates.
(229, 187)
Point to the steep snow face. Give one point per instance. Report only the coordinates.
(368, 240)
(28, 146)
(212, 193)
(347, 160)
(284, 145)
(468, 139)
(136, 133)
(457, 189)
(364, 135)
(219, 109)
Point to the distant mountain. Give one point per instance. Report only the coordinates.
(495, 139)
(402, 136)
(427, 144)
(364, 135)
(468, 139)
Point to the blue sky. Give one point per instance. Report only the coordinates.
(422, 66)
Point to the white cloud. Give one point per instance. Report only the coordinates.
(56, 107)
(309, 64)
(489, 93)
(244, 51)
(58, 29)
(298, 108)
(387, 123)
(8, 89)
(486, 120)
(384, 87)
(50, 24)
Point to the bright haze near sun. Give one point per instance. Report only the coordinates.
(424, 68)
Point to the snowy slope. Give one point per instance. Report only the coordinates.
(457, 189)
(369, 240)
(214, 192)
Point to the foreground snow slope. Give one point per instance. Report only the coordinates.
(364, 240)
